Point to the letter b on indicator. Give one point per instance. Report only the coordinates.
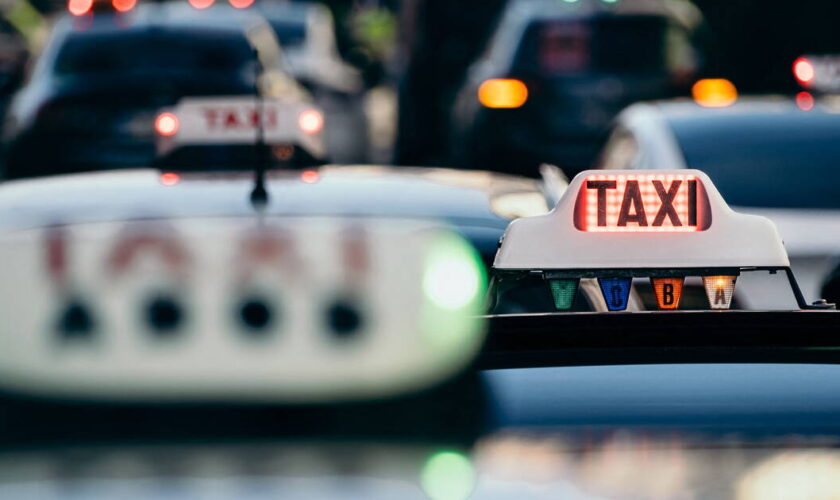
(668, 291)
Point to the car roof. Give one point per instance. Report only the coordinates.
(460, 197)
(683, 12)
(770, 107)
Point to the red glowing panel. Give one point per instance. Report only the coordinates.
(670, 203)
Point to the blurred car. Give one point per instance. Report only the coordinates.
(555, 74)
(307, 34)
(766, 155)
(92, 97)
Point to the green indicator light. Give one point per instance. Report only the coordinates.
(453, 278)
(564, 292)
(448, 475)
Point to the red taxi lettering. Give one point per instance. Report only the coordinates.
(641, 203)
(233, 119)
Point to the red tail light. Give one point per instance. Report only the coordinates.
(79, 7)
(123, 5)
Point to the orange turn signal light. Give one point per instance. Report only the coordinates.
(502, 93)
(668, 291)
(714, 93)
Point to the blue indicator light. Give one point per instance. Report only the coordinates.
(616, 292)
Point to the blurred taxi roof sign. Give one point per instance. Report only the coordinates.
(714, 93)
(641, 219)
(227, 309)
(220, 121)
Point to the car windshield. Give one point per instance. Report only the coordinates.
(99, 55)
(785, 160)
(605, 44)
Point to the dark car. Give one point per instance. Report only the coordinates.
(555, 74)
(91, 100)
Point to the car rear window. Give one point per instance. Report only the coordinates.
(602, 44)
(157, 52)
(781, 160)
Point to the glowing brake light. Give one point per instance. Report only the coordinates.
(719, 290)
(714, 93)
(166, 124)
(803, 70)
(241, 4)
(123, 5)
(502, 93)
(79, 7)
(805, 101)
(311, 121)
(642, 203)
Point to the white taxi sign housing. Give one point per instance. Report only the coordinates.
(641, 219)
(236, 120)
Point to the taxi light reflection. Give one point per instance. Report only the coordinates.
(616, 292)
(714, 93)
(201, 4)
(310, 176)
(169, 178)
(311, 121)
(805, 101)
(166, 124)
(123, 5)
(719, 290)
(803, 71)
(502, 93)
(563, 292)
(668, 291)
(79, 7)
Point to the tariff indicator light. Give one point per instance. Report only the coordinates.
(668, 291)
(563, 292)
(719, 290)
(616, 292)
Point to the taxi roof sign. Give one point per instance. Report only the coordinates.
(632, 219)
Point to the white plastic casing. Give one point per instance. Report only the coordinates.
(552, 241)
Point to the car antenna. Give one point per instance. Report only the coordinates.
(259, 195)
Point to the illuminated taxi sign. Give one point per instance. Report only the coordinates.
(642, 203)
(641, 219)
(209, 121)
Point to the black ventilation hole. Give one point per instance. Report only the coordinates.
(75, 321)
(164, 315)
(344, 319)
(255, 314)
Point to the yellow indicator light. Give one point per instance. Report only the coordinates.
(668, 291)
(502, 93)
(719, 290)
(714, 93)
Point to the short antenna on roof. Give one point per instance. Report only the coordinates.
(259, 195)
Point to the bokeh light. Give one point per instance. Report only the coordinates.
(448, 475)
(79, 7)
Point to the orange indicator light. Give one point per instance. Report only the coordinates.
(502, 93)
(668, 291)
